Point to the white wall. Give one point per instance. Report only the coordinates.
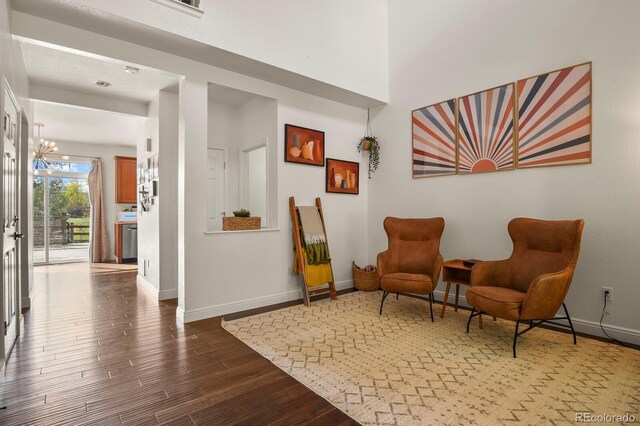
(258, 119)
(238, 128)
(228, 272)
(256, 190)
(436, 52)
(107, 154)
(168, 195)
(157, 228)
(440, 50)
(12, 65)
(311, 37)
(149, 222)
(214, 273)
(224, 129)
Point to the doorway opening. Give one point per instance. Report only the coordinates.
(241, 166)
(61, 212)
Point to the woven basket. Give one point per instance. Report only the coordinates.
(240, 223)
(365, 281)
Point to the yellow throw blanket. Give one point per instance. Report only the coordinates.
(315, 274)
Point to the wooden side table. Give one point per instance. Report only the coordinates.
(456, 272)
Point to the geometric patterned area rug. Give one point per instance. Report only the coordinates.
(400, 368)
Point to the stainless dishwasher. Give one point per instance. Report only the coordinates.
(130, 241)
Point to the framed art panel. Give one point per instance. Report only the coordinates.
(342, 177)
(434, 140)
(304, 146)
(554, 118)
(486, 131)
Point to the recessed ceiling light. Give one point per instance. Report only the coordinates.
(131, 70)
(102, 83)
(65, 157)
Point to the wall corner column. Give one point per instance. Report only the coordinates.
(192, 198)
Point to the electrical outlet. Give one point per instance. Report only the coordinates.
(607, 293)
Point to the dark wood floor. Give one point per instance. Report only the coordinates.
(96, 350)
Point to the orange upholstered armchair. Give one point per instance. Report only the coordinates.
(531, 285)
(412, 263)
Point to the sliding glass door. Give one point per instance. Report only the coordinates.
(61, 214)
(39, 219)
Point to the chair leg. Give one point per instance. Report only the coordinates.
(397, 295)
(457, 296)
(575, 341)
(470, 318)
(444, 301)
(431, 305)
(515, 338)
(384, 296)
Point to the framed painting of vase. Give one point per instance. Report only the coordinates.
(303, 146)
(343, 177)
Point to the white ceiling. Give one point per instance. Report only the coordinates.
(75, 124)
(51, 66)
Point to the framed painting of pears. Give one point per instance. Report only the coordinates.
(303, 146)
(343, 177)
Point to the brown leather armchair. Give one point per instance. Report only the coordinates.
(412, 263)
(531, 285)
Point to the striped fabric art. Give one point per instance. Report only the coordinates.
(554, 118)
(434, 140)
(485, 131)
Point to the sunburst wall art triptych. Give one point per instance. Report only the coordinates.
(486, 133)
(434, 140)
(539, 121)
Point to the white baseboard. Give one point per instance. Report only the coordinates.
(180, 315)
(153, 291)
(147, 286)
(243, 305)
(26, 301)
(591, 328)
(168, 294)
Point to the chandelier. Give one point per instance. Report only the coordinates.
(40, 152)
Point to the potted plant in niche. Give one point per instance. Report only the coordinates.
(241, 221)
(370, 143)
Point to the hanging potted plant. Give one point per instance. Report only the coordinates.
(370, 143)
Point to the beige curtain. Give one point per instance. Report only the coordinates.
(98, 245)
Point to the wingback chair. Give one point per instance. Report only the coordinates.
(531, 285)
(412, 263)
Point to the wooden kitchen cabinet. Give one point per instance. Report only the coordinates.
(126, 180)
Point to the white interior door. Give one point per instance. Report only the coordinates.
(216, 208)
(256, 182)
(10, 222)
